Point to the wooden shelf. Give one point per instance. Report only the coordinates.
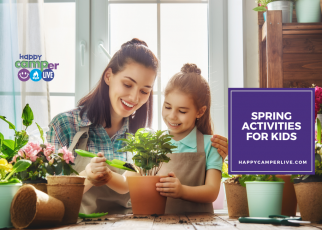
(290, 53)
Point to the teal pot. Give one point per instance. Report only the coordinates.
(264, 198)
(285, 6)
(7, 192)
(264, 15)
(308, 11)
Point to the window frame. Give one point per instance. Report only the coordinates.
(96, 30)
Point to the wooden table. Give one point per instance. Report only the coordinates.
(196, 221)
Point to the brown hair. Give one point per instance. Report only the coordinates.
(97, 102)
(190, 81)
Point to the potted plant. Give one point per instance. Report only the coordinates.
(150, 152)
(43, 157)
(263, 191)
(308, 11)
(308, 188)
(286, 6)
(262, 7)
(9, 185)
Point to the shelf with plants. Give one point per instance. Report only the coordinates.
(290, 54)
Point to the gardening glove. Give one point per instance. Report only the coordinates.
(97, 171)
(170, 186)
(221, 144)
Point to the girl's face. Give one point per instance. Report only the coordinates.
(129, 89)
(179, 113)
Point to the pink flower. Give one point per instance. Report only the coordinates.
(48, 151)
(67, 155)
(31, 150)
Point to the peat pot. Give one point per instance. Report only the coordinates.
(308, 195)
(236, 200)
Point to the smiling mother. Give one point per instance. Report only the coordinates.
(121, 102)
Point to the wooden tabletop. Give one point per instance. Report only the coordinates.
(196, 221)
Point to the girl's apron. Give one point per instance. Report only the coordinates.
(102, 198)
(190, 169)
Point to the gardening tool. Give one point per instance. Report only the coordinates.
(114, 163)
(274, 219)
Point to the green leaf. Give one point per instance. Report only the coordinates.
(58, 168)
(50, 169)
(11, 126)
(318, 123)
(41, 133)
(27, 116)
(9, 144)
(260, 9)
(66, 169)
(1, 140)
(93, 215)
(20, 166)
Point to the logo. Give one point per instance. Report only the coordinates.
(48, 75)
(24, 75)
(40, 69)
(35, 75)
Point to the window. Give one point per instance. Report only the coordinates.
(59, 18)
(176, 31)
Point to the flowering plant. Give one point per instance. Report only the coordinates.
(44, 161)
(42, 157)
(262, 5)
(318, 101)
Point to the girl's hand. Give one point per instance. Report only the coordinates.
(97, 171)
(170, 186)
(220, 143)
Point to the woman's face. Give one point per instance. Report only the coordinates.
(129, 88)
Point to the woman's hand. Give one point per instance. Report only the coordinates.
(221, 144)
(97, 171)
(170, 186)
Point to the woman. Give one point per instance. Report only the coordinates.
(121, 102)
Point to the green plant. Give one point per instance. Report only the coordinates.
(244, 178)
(262, 5)
(43, 158)
(7, 170)
(149, 150)
(9, 148)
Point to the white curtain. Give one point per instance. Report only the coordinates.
(22, 33)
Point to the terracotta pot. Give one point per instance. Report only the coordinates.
(289, 203)
(31, 207)
(145, 199)
(65, 179)
(236, 200)
(309, 199)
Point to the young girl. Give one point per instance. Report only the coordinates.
(194, 171)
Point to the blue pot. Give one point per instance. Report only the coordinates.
(264, 15)
(7, 192)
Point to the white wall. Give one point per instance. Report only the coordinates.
(242, 44)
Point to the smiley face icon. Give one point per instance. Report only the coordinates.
(24, 75)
